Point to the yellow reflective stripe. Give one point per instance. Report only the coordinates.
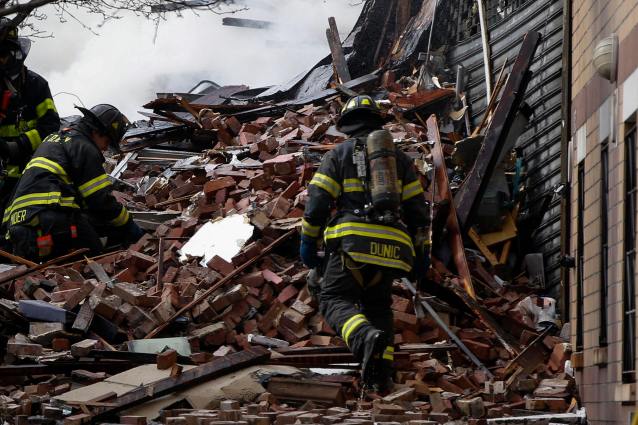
(9, 131)
(380, 261)
(352, 185)
(121, 219)
(411, 190)
(12, 130)
(51, 166)
(32, 199)
(34, 139)
(93, 185)
(351, 324)
(13, 171)
(308, 229)
(49, 163)
(327, 183)
(388, 354)
(45, 106)
(368, 230)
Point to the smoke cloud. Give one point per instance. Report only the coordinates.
(123, 66)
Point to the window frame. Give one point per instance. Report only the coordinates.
(604, 244)
(629, 258)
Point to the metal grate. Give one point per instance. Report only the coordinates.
(629, 278)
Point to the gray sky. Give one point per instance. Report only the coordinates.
(124, 67)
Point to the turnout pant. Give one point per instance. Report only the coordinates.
(57, 233)
(356, 298)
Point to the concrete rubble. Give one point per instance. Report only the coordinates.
(216, 285)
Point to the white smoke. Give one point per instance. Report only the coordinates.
(123, 66)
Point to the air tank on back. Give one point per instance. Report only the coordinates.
(384, 186)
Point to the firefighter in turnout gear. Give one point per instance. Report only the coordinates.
(63, 200)
(373, 238)
(27, 111)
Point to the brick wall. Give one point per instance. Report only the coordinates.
(606, 398)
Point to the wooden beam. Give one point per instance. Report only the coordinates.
(42, 266)
(338, 57)
(18, 260)
(482, 246)
(443, 188)
(218, 367)
(469, 196)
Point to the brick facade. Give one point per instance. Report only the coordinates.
(606, 397)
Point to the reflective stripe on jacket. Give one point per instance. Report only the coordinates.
(336, 184)
(65, 172)
(30, 117)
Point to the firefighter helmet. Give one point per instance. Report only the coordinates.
(108, 120)
(360, 109)
(12, 47)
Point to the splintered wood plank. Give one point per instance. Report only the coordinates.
(509, 232)
(482, 246)
(188, 378)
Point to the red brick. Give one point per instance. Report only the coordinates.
(60, 344)
(287, 294)
(272, 277)
(246, 138)
(254, 279)
(222, 266)
(166, 359)
(213, 186)
(293, 320)
(62, 296)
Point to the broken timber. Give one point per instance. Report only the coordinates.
(188, 378)
(471, 192)
(338, 57)
(43, 266)
(456, 239)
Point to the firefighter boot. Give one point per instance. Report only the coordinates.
(384, 383)
(374, 344)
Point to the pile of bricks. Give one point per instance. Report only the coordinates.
(261, 169)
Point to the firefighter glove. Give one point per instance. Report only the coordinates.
(308, 252)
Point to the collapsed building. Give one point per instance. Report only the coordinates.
(208, 319)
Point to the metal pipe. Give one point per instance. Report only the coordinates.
(487, 55)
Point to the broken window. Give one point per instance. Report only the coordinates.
(464, 18)
(604, 242)
(629, 278)
(580, 245)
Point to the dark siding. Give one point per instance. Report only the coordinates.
(541, 143)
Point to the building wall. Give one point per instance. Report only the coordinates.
(606, 397)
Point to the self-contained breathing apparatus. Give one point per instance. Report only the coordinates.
(375, 159)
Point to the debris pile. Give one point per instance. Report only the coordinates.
(216, 285)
